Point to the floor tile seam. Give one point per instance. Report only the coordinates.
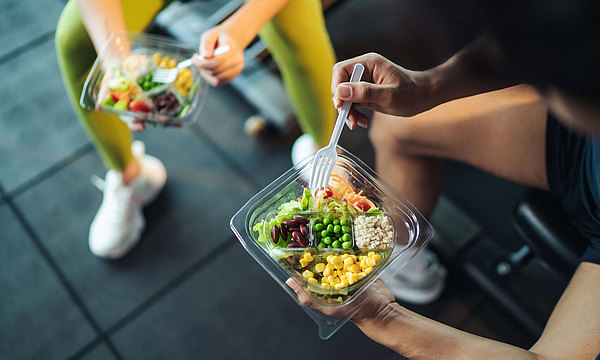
(58, 272)
(86, 349)
(49, 172)
(172, 285)
(30, 45)
(213, 145)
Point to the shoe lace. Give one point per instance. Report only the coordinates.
(117, 201)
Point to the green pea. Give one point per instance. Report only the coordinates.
(330, 228)
(327, 221)
(347, 244)
(345, 222)
(319, 227)
(322, 245)
(346, 229)
(337, 229)
(336, 244)
(336, 222)
(327, 240)
(346, 237)
(324, 233)
(330, 246)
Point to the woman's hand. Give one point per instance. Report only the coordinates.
(385, 87)
(223, 68)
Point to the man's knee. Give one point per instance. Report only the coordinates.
(393, 135)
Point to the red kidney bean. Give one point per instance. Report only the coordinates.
(301, 219)
(295, 228)
(303, 229)
(295, 235)
(302, 240)
(291, 223)
(275, 234)
(283, 232)
(293, 245)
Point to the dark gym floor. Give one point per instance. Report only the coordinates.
(189, 290)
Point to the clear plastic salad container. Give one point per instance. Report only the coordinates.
(334, 243)
(120, 81)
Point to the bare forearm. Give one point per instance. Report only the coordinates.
(417, 337)
(251, 17)
(476, 69)
(101, 18)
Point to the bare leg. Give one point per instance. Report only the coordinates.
(501, 132)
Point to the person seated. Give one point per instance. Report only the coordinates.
(296, 36)
(478, 108)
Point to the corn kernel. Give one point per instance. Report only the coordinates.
(340, 286)
(361, 275)
(339, 265)
(330, 267)
(348, 261)
(320, 267)
(371, 253)
(361, 257)
(339, 272)
(371, 262)
(334, 280)
(344, 256)
(354, 268)
(335, 260)
(377, 257)
(325, 285)
(308, 257)
(363, 264)
(326, 272)
(172, 63)
(308, 274)
(313, 281)
(329, 258)
(303, 262)
(325, 280)
(369, 269)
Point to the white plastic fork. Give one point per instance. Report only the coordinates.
(169, 75)
(326, 157)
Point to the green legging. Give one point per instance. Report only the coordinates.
(296, 37)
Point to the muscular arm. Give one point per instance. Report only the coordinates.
(572, 332)
(476, 69)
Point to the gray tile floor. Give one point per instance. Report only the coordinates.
(189, 290)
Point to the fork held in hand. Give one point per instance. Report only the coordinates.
(326, 157)
(169, 75)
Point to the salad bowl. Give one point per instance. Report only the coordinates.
(334, 243)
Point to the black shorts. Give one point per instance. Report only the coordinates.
(573, 169)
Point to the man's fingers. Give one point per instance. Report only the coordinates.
(303, 299)
(360, 92)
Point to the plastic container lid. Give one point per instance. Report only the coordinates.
(403, 235)
(129, 55)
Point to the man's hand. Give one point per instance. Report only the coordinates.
(385, 87)
(377, 296)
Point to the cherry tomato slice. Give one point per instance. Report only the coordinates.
(138, 105)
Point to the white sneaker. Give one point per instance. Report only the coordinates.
(423, 290)
(303, 146)
(119, 223)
